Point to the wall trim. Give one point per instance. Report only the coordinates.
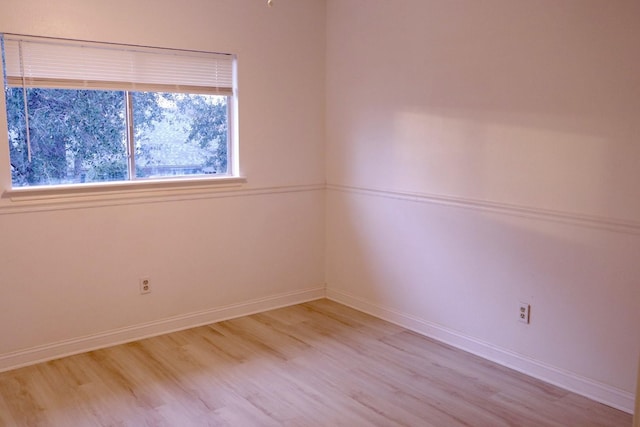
(43, 353)
(589, 388)
(133, 196)
(591, 221)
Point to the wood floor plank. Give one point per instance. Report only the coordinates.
(313, 364)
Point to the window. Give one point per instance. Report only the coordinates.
(84, 112)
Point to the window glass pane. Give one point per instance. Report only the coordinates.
(180, 134)
(75, 136)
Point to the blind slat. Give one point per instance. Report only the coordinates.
(106, 85)
(44, 62)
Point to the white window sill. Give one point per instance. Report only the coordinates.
(123, 191)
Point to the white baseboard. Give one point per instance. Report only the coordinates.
(60, 349)
(597, 391)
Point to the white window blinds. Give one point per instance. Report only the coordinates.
(66, 64)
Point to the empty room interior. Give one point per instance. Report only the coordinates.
(430, 216)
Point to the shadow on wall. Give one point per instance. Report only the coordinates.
(568, 164)
(467, 270)
(526, 103)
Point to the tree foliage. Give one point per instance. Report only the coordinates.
(80, 135)
(209, 123)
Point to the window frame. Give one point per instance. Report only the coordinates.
(132, 187)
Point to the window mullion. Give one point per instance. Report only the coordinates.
(131, 160)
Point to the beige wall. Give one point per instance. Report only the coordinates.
(485, 153)
(69, 272)
(636, 415)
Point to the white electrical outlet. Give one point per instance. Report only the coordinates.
(524, 311)
(145, 285)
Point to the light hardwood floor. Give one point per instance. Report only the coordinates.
(314, 364)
